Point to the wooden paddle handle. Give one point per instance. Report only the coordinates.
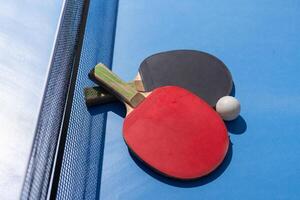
(117, 86)
(98, 95)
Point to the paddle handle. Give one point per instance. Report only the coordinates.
(116, 86)
(98, 95)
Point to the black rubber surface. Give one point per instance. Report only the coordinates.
(198, 72)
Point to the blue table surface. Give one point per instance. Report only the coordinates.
(27, 34)
(259, 42)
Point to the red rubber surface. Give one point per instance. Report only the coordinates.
(176, 133)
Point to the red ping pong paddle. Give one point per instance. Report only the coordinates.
(170, 129)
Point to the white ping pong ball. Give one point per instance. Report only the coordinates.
(228, 108)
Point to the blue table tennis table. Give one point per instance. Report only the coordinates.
(258, 41)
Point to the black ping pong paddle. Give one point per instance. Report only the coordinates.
(199, 72)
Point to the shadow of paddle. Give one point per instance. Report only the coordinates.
(186, 184)
(232, 93)
(116, 107)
